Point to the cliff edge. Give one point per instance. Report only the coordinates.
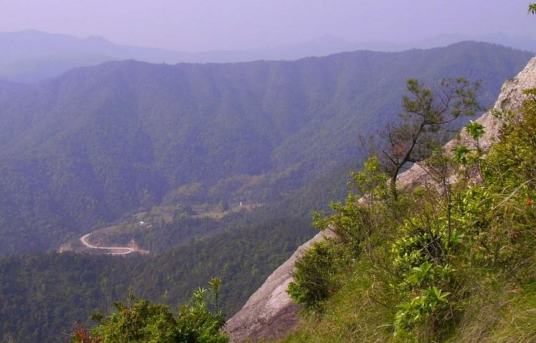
(270, 313)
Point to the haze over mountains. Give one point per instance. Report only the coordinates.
(32, 55)
(101, 142)
(98, 144)
(154, 148)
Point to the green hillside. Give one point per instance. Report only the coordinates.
(45, 294)
(98, 143)
(452, 263)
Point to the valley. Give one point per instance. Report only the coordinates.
(156, 178)
(120, 239)
(135, 135)
(132, 248)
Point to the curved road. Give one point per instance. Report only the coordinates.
(111, 250)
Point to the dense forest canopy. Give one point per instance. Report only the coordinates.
(101, 142)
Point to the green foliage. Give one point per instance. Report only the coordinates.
(475, 130)
(68, 288)
(353, 222)
(132, 134)
(456, 262)
(196, 323)
(426, 115)
(141, 321)
(371, 180)
(461, 154)
(532, 8)
(421, 262)
(313, 276)
(420, 308)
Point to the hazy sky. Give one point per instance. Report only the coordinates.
(243, 24)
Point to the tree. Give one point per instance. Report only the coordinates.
(426, 117)
(532, 8)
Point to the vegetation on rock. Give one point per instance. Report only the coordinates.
(452, 260)
(426, 117)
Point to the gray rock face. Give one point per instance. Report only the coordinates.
(270, 313)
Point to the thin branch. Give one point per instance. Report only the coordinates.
(512, 194)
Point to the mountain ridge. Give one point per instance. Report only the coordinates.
(32, 55)
(100, 142)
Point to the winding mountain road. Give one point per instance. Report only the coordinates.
(111, 250)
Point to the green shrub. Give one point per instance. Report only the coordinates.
(142, 321)
(313, 276)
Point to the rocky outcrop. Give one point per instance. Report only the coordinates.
(270, 313)
(510, 98)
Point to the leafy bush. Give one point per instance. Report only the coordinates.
(142, 321)
(313, 276)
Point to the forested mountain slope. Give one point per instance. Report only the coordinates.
(100, 142)
(88, 147)
(43, 295)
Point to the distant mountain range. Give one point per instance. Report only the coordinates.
(31, 55)
(100, 142)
